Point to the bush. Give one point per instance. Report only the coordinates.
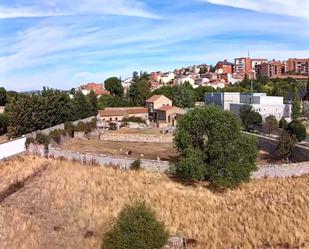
(29, 140)
(283, 124)
(213, 148)
(136, 228)
(42, 139)
(286, 145)
(69, 128)
(134, 119)
(298, 129)
(81, 126)
(57, 134)
(271, 124)
(136, 165)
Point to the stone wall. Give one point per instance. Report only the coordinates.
(100, 159)
(145, 138)
(56, 127)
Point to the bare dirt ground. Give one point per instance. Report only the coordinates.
(165, 151)
(3, 139)
(72, 206)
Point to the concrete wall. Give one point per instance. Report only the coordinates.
(146, 138)
(12, 148)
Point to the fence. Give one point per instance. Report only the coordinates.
(12, 148)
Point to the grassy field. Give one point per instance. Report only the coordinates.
(67, 205)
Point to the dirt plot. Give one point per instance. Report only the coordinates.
(72, 206)
(165, 151)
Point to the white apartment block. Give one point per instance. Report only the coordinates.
(263, 104)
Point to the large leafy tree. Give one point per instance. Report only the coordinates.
(213, 148)
(184, 96)
(113, 101)
(2, 96)
(249, 117)
(114, 85)
(4, 122)
(81, 107)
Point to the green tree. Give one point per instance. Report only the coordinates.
(213, 148)
(201, 90)
(271, 124)
(113, 101)
(4, 122)
(81, 106)
(184, 96)
(296, 108)
(114, 85)
(136, 227)
(139, 91)
(167, 91)
(93, 100)
(286, 145)
(298, 129)
(2, 96)
(249, 117)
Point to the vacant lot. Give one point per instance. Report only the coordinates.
(165, 151)
(71, 206)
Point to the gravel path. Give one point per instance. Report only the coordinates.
(284, 170)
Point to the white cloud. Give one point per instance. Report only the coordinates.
(43, 8)
(298, 8)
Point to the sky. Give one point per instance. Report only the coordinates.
(65, 43)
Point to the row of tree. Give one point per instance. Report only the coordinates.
(30, 112)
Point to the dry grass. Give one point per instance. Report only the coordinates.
(72, 206)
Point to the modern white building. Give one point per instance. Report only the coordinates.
(263, 104)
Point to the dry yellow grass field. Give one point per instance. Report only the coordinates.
(69, 205)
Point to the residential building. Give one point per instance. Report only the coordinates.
(263, 104)
(168, 116)
(272, 69)
(225, 67)
(98, 88)
(299, 66)
(117, 114)
(257, 64)
(243, 66)
(155, 102)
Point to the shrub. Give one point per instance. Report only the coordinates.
(69, 128)
(136, 227)
(283, 124)
(271, 124)
(134, 119)
(42, 139)
(29, 140)
(213, 148)
(81, 126)
(4, 123)
(136, 165)
(298, 129)
(286, 145)
(56, 135)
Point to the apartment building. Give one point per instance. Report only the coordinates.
(299, 66)
(257, 65)
(273, 69)
(263, 104)
(243, 66)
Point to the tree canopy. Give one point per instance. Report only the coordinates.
(2, 96)
(114, 85)
(249, 117)
(213, 148)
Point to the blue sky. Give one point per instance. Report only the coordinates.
(63, 43)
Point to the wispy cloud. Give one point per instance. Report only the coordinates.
(43, 8)
(298, 8)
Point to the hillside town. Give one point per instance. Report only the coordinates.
(167, 124)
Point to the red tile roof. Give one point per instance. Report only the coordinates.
(166, 108)
(154, 98)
